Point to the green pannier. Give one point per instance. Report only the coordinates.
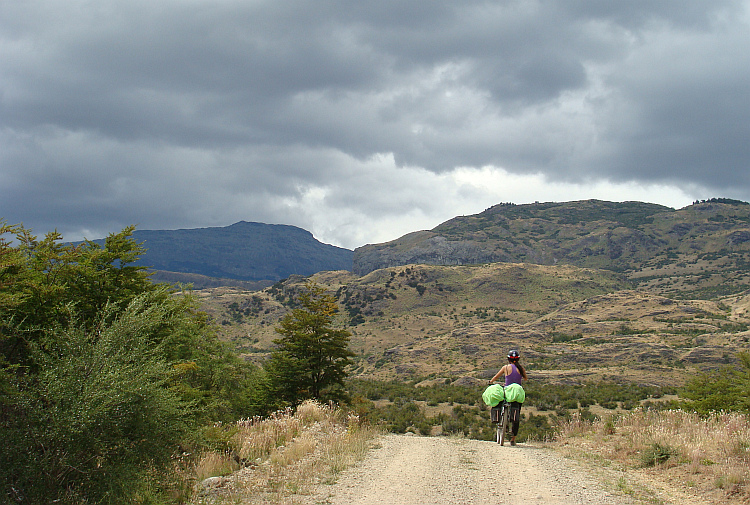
(515, 393)
(493, 395)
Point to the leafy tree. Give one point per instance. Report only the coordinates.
(311, 356)
(725, 389)
(102, 372)
(47, 283)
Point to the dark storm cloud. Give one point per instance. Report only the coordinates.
(191, 113)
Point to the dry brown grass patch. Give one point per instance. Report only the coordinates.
(214, 464)
(672, 450)
(287, 453)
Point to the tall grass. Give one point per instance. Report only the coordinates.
(701, 455)
(270, 460)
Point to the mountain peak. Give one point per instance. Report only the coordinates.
(247, 251)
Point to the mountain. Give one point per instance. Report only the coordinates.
(702, 250)
(588, 291)
(244, 251)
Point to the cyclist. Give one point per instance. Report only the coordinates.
(514, 374)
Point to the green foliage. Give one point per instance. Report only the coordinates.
(467, 421)
(102, 372)
(548, 397)
(470, 417)
(312, 355)
(725, 389)
(50, 284)
(535, 427)
(398, 418)
(656, 454)
(728, 201)
(97, 417)
(543, 396)
(406, 391)
(562, 337)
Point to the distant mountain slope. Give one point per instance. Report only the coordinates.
(703, 248)
(244, 251)
(571, 324)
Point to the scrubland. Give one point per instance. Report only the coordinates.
(681, 452)
(274, 459)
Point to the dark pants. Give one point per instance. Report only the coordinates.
(514, 416)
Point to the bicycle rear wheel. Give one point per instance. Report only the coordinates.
(502, 426)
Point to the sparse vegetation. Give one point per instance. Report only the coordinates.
(271, 459)
(710, 455)
(647, 243)
(401, 407)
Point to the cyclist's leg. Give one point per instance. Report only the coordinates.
(515, 418)
(496, 418)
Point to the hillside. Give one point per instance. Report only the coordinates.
(700, 251)
(587, 291)
(570, 323)
(243, 251)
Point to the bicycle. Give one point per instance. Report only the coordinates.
(504, 412)
(499, 415)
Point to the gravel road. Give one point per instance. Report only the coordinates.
(411, 470)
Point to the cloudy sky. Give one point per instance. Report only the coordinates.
(362, 120)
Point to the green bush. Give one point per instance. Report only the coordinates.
(723, 389)
(474, 421)
(608, 395)
(398, 418)
(97, 417)
(103, 374)
(535, 428)
(656, 454)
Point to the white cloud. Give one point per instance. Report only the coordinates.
(362, 121)
(398, 200)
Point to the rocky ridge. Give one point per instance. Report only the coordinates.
(703, 247)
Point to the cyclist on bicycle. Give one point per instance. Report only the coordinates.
(514, 374)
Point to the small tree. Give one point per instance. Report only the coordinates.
(311, 356)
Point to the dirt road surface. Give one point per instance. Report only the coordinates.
(411, 470)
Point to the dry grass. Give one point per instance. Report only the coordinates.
(285, 455)
(214, 464)
(675, 451)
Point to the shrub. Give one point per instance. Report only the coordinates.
(656, 454)
(103, 374)
(724, 389)
(535, 428)
(99, 418)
